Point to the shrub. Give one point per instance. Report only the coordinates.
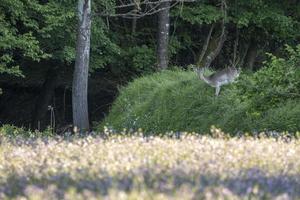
(270, 97)
(276, 82)
(13, 131)
(137, 59)
(284, 117)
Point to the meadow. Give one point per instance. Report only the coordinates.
(136, 167)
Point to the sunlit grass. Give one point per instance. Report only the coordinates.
(135, 167)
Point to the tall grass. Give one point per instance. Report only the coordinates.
(179, 101)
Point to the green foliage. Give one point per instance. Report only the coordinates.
(13, 131)
(270, 23)
(285, 115)
(139, 58)
(58, 36)
(104, 50)
(266, 15)
(18, 25)
(34, 31)
(269, 99)
(200, 14)
(276, 82)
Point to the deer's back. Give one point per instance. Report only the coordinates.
(224, 76)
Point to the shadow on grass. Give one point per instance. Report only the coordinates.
(167, 182)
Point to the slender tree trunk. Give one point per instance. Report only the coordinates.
(133, 25)
(251, 56)
(205, 45)
(80, 77)
(163, 35)
(135, 12)
(244, 53)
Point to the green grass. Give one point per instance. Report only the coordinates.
(180, 101)
(122, 167)
(163, 102)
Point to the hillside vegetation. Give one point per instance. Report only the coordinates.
(179, 101)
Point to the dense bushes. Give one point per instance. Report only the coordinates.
(277, 82)
(178, 101)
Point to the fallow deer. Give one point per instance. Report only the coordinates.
(225, 76)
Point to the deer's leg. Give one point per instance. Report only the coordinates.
(218, 90)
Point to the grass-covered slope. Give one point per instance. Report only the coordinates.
(179, 101)
(171, 100)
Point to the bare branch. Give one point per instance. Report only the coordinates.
(146, 2)
(133, 14)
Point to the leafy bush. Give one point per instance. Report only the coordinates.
(278, 81)
(283, 117)
(269, 98)
(137, 58)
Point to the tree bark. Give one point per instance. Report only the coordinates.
(163, 35)
(80, 77)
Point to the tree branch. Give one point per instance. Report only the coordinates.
(211, 57)
(133, 14)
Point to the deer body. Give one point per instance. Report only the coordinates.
(219, 78)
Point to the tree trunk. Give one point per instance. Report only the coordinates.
(205, 45)
(251, 56)
(133, 25)
(163, 35)
(80, 77)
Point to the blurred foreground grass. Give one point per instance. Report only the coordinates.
(123, 167)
